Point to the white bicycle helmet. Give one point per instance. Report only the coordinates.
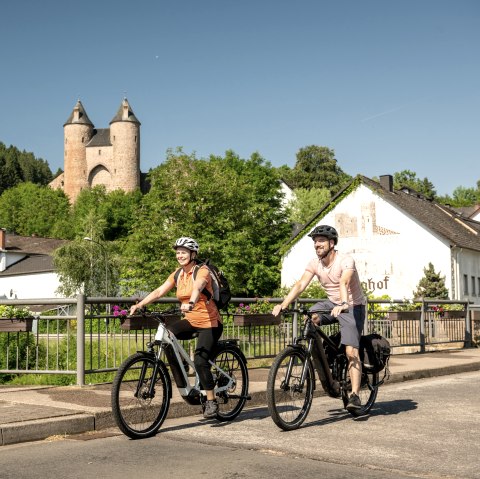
(186, 242)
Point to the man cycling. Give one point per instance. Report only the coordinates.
(339, 278)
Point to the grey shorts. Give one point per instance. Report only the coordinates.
(351, 321)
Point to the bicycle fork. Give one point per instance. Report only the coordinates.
(150, 393)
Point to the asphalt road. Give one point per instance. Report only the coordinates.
(426, 428)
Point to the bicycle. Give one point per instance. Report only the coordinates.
(291, 380)
(142, 387)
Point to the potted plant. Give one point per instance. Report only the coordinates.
(13, 319)
(134, 323)
(454, 311)
(258, 313)
(406, 310)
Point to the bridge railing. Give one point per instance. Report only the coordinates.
(83, 340)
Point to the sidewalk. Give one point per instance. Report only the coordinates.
(36, 413)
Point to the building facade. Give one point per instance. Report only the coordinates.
(26, 267)
(393, 235)
(109, 156)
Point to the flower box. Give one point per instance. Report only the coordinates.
(15, 325)
(259, 319)
(454, 314)
(404, 315)
(135, 323)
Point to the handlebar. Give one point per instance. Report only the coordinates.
(305, 311)
(157, 315)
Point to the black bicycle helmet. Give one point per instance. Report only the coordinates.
(324, 230)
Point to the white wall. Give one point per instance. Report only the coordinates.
(288, 193)
(390, 248)
(41, 285)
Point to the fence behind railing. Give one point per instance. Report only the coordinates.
(83, 337)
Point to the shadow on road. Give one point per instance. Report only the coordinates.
(334, 415)
(246, 415)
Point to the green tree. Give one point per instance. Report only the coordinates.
(231, 206)
(462, 197)
(116, 211)
(316, 167)
(409, 179)
(88, 265)
(432, 285)
(30, 209)
(17, 167)
(306, 203)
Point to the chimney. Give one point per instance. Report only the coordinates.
(2, 239)
(386, 181)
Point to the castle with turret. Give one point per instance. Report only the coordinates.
(108, 156)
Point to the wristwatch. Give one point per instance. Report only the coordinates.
(343, 303)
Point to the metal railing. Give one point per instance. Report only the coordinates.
(81, 337)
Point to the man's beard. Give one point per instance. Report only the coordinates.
(325, 254)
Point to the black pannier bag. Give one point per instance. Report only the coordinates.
(374, 352)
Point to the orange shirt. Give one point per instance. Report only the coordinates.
(205, 313)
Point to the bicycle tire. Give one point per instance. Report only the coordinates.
(367, 394)
(137, 415)
(231, 402)
(290, 405)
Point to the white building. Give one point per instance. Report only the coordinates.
(26, 267)
(393, 235)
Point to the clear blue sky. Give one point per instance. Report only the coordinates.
(388, 85)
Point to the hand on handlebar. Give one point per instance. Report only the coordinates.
(186, 307)
(277, 309)
(133, 308)
(339, 309)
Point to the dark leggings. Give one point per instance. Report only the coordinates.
(206, 341)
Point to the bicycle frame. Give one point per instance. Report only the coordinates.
(315, 349)
(177, 356)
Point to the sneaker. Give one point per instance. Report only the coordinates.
(354, 403)
(211, 409)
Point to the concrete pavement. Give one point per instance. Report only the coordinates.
(36, 413)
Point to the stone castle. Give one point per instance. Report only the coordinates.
(108, 156)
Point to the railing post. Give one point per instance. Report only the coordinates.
(366, 326)
(295, 322)
(81, 340)
(468, 327)
(422, 327)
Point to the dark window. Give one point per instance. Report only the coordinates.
(465, 284)
(473, 286)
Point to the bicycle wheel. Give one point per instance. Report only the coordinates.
(232, 400)
(367, 394)
(288, 399)
(137, 412)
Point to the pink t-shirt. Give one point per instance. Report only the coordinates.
(330, 278)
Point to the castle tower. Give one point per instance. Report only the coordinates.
(125, 140)
(77, 131)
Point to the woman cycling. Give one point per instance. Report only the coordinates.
(201, 315)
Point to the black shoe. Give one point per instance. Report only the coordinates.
(354, 403)
(211, 408)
